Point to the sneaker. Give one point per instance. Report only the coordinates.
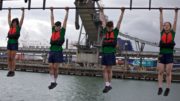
(160, 90)
(53, 85)
(107, 89)
(166, 92)
(10, 74)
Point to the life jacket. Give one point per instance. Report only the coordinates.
(56, 38)
(14, 33)
(167, 40)
(109, 40)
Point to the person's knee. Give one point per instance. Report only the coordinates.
(109, 70)
(9, 58)
(160, 72)
(55, 68)
(168, 73)
(169, 69)
(51, 68)
(13, 58)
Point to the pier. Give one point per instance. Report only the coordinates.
(93, 72)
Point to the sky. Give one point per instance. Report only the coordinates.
(143, 24)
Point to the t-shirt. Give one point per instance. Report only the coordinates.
(57, 47)
(14, 41)
(109, 49)
(167, 50)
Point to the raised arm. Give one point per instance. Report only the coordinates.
(102, 17)
(52, 17)
(120, 18)
(66, 17)
(161, 19)
(9, 17)
(22, 18)
(175, 19)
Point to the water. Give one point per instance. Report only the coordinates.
(33, 87)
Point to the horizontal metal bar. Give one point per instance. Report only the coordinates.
(135, 8)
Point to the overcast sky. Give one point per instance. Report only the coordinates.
(143, 24)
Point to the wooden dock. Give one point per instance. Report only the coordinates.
(79, 71)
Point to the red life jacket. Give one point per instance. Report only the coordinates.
(110, 39)
(167, 40)
(13, 33)
(56, 38)
(167, 37)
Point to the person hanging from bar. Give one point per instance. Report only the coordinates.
(12, 44)
(56, 41)
(166, 52)
(109, 47)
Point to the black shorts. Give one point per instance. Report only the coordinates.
(108, 59)
(13, 47)
(165, 58)
(55, 57)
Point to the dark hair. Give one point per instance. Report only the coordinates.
(168, 23)
(58, 23)
(109, 24)
(15, 20)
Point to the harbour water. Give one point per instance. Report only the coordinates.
(27, 86)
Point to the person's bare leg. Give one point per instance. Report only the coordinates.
(160, 77)
(10, 65)
(160, 74)
(13, 54)
(169, 74)
(51, 71)
(56, 71)
(109, 74)
(168, 78)
(9, 60)
(105, 74)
